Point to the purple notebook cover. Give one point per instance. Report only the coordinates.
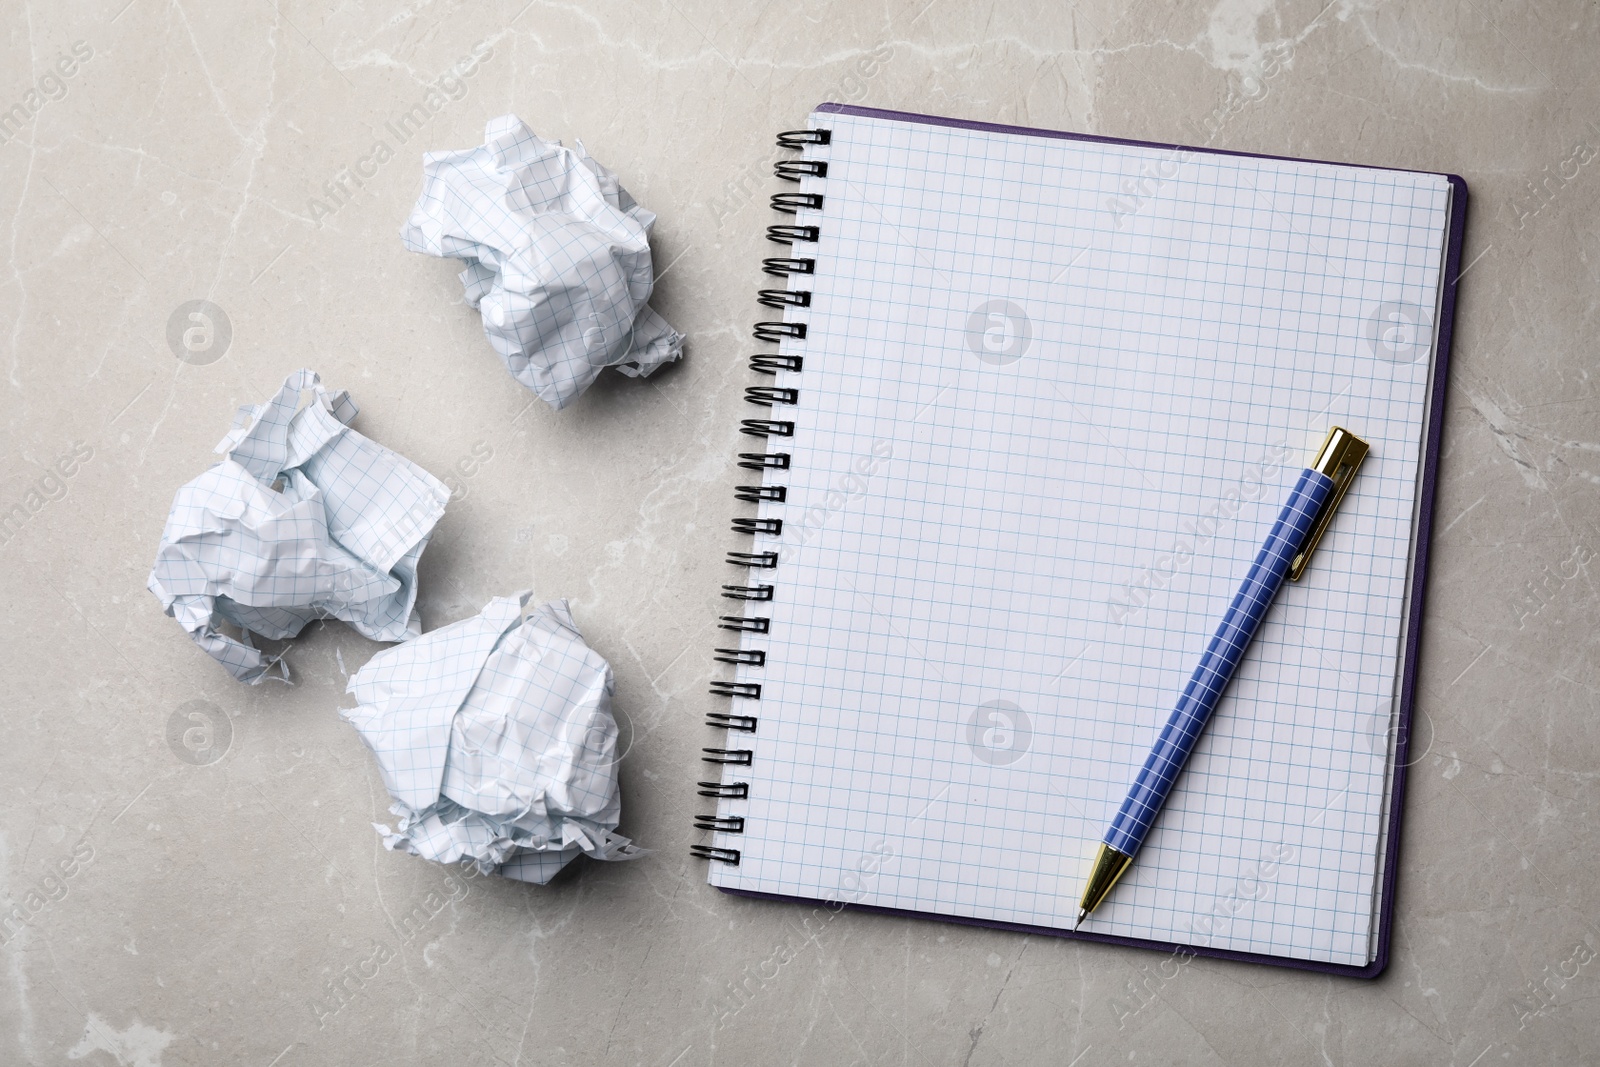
(1419, 575)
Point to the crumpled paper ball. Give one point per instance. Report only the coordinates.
(303, 519)
(557, 258)
(496, 740)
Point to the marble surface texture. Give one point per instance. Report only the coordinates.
(232, 905)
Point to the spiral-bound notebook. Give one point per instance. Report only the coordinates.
(1034, 402)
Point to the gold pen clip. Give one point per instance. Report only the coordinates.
(1338, 458)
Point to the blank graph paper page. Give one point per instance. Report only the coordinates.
(1054, 394)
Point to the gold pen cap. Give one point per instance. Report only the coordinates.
(1340, 455)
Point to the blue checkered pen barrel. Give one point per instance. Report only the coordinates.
(1301, 524)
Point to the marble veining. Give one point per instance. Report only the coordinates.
(188, 864)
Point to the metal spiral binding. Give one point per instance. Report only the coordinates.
(777, 331)
(791, 203)
(706, 852)
(770, 364)
(782, 298)
(788, 235)
(801, 138)
(731, 790)
(792, 170)
(755, 560)
(782, 268)
(766, 428)
(758, 461)
(768, 397)
(770, 527)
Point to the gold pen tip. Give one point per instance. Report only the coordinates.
(1108, 867)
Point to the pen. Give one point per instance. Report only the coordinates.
(1301, 524)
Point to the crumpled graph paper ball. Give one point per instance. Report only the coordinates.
(303, 519)
(557, 258)
(496, 739)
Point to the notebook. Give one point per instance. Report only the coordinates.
(1034, 402)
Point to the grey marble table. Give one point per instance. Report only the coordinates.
(234, 906)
